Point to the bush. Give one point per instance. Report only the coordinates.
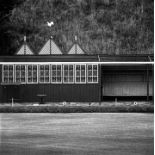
(77, 109)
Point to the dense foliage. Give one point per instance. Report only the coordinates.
(102, 26)
(144, 108)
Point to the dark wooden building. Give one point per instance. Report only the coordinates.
(74, 77)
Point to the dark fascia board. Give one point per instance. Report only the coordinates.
(126, 67)
(49, 58)
(78, 58)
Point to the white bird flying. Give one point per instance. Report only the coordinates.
(50, 23)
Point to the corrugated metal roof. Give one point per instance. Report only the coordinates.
(77, 58)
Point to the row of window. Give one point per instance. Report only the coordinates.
(66, 73)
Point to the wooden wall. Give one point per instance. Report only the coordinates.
(1, 92)
(113, 81)
(126, 82)
(54, 92)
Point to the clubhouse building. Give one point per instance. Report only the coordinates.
(75, 76)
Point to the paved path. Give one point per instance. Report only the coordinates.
(76, 134)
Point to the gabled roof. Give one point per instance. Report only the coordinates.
(76, 49)
(24, 50)
(49, 48)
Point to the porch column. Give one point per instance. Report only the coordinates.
(152, 83)
(147, 82)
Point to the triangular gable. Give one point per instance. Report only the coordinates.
(24, 50)
(50, 47)
(76, 49)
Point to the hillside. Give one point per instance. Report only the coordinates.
(102, 26)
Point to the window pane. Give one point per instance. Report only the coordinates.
(58, 79)
(53, 73)
(94, 67)
(23, 79)
(89, 73)
(10, 79)
(5, 79)
(78, 73)
(47, 73)
(58, 67)
(29, 73)
(10, 67)
(18, 67)
(41, 73)
(29, 79)
(46, 67)
(65, 67)
(18, 74)
(29, 67)
(41, 67)
(83, 79)
(94, 79)
(34, 79)
(77, 79)
(17, 79)
(53, 79)
(89, 67)
(34, 74)
(5, 67)
(6, 74)
(59, 73)
(66, 73)
(71, 73)
(70, 79)
(82, 67)
(89, 79)
(10, 73)
(46, 79)
(77, 67)
(95, 73)
(53, 67)
(34, 67)
(41, 79)
(83, 73)
(70, 67)
(22, 67)
(65, 79)
(23, 73)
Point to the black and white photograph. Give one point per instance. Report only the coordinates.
(76, 77)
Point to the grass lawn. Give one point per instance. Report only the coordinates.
(76, 134)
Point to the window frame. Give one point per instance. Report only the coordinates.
(92, 74)
(68, 74)
(32, 77)
(44, 73)
(8, 74)
(80, 82)
(20, 73)
(56, 82)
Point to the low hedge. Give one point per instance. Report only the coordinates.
(77, 109)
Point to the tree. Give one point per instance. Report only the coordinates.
(103, 26)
